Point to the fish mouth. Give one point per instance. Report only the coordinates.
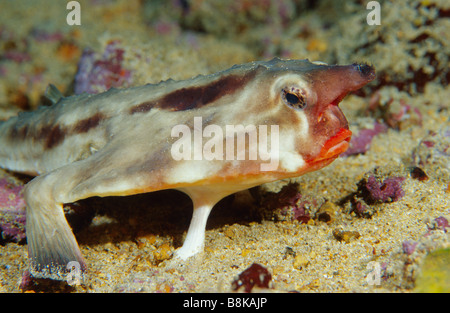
(335, 145)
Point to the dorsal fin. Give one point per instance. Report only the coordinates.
(53, 94)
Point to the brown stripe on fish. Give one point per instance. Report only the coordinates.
(87, 124)
(53, 135)
(16, 133)
(142, 108)
(195, 97)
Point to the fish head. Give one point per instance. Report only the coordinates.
(303, 98)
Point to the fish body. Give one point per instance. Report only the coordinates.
(209, 137)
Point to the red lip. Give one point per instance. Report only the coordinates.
(336, 144)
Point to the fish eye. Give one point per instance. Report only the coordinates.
(293, 97)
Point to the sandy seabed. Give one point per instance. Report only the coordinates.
(130, 241)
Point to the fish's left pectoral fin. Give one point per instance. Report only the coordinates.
(52, 247)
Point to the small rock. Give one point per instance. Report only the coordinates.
(327, 212)
(301, 262)
(229, 232)
(256, 275)
(288, 252)
(164, 252)
(418, 173)
(345, 235)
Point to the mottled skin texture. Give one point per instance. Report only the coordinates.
(119, 143)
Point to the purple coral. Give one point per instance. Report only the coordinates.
(406, 112)
(99, 73)
(41, 35)
(371, 191)
(289, 197)
(300, 214)
(14, 49)
(434, 149)
(362, 209)
(440, 223)
(289, 203)
(409, 246)
(390, 190)
(256, 275)
(362, 141)
(396, 114)
(12, 212)
(17, 56)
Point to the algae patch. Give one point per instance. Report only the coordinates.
(435, 272)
